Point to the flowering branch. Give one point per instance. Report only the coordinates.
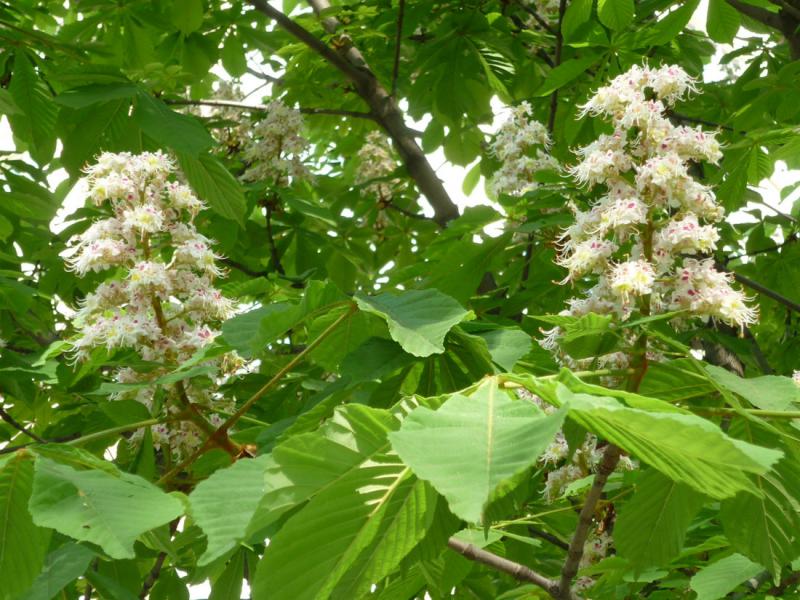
(354, 66)
(239, 414)
(609, 462)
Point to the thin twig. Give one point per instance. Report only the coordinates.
(273, 248)
(789, 240)
(548, 537)
(407, 212)
(536, 16)
(264, 108)
(401, 9)
(551, 121)
(19, 427)
(516, 570)
(231, 421)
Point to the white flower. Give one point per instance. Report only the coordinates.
(670, 83)
(99, 255)
(143, 219)
(196, 253)
(182, 198)
(687, 236)
(632, 277)
(149, 276)
(276, 149)
(589, 255)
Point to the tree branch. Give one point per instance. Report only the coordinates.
(536, 16)
(401, 10)
(516, 570)
(770, 19)
(575, 552)
(264, 108)
(353, 65)
(19, 427)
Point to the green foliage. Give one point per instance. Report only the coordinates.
(651, 528)
(472, 444)
(386, 433)
(108, 508)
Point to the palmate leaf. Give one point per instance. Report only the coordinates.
(356, 528)
(418, 319)
(472, 444)
(769, 392)
(36, 123)
(683, 447)
(766, 528)
(651, 526)
(108, 508)
(23, 545)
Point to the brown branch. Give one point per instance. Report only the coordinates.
(575, 551)
(406, 212)
(264, 108)
(516, 570)
(19, 426)
(401, 10)
(350, 62)
(551, 121)
(152, 577)
(786, 21)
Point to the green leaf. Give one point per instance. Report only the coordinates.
(724, 576)
(7, 104)
(63, 565)
(769, 392)
(23, 545)
(367, 511)
(213, 183)
(615, 14)
(233, 56)
(564, 73)
(722, 21)
(182, 133)
(471, 179)
(685, 448)
(36, 125)
(224, 504)
(663, 31)
(765, 528)
(88, 95)
(418, 319)
(110, 509)
(578, 12)
(651, 526)
(228, 585)
(187, 15)
(507, 346)
(471, 445)
(589, 336)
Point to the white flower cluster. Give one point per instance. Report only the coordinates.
(653, 213)
(375, 161)
(160, 298)
(275, 151)
(521, 145)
